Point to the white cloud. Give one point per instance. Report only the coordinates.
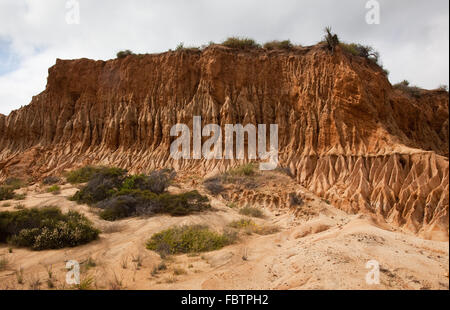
(412, 36)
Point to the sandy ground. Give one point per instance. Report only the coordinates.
(326, 251)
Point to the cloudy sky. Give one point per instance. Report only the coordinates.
(412, 36)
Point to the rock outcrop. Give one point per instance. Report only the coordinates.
(344, 132)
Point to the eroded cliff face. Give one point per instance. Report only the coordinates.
(344, 132)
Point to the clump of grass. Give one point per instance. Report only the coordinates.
(4, 263)
(35, 283)
(86, 283)
(242, 223)
(20, 196)
(240, 43)
(19, 275)
(137, 260)
(116, 283)
(251, 211)
(54, 189)
(244, 170)
(19, 206)
(239, 175)
(157, 269)
(179, 272)
(231, 205)
(188, 239)
(45, 228)
(251, 227)
(6, 205)
(112, 228)
(88, 264)
(278, 45)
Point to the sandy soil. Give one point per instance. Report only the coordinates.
(328, 250)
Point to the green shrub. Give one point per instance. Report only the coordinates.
(240, 43)
(242, 223)
(82, 175)
(214, 185)
(102, 184)
(404, 86)
(251, 211)
(6, 193)
(365, 51)
(188, 239)
(157, 181)
(250, 227)
(128, 203)
(278, 45)
(123, 54)
(54, 189)
(46, 228)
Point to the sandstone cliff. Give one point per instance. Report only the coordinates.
(344, 131)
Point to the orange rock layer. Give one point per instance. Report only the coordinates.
(344, 131)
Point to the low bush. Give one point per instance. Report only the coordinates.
(157, 181)
(15, 183)
(188, 239)
(251, 227)
(102, 185)
(6, 193)
(242, 223)
(251, 211)
(278, 45)
(295, 200)
(45, 228)
(404, 86)
(365, 51)
(123, 54)
(145, 203)
(214, 185)
(50, 180)
(240, 43)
